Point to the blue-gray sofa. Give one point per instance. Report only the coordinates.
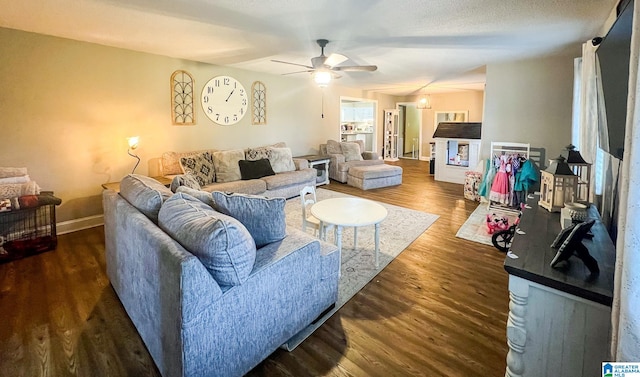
(198, 314)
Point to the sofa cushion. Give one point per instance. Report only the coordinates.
(227, 167)
(222, 243)
(184, 180)
(144, 193)
(282, 160)
(255, 169)
(251, 186)
(289, 178)
(263, 217)
(200, 166)
(351, 151)
(202, 196)
(344, 166)
(333, 147)
(171, 161)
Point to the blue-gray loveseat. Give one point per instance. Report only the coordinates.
(192, 323)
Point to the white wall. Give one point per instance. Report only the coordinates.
(66, 108)
(529, 102)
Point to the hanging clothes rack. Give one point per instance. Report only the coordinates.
(507, 148)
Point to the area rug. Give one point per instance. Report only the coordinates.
(475, 228)
(401, 227)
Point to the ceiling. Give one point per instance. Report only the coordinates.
(444, 44)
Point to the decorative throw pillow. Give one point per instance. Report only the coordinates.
(222, 243)
(254, 154)
(201, 167)
(333, 147)
(255, 169)
(351, 151)
(281, 160)
(226, 163)
(184, 180)
(263, 217)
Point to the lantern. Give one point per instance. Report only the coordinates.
(557, 185)
(582, 170)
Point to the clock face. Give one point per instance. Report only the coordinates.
(224, 100)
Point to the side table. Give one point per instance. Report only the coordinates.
(321, 164)
(115, 186)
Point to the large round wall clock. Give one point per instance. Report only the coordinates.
(224, 100)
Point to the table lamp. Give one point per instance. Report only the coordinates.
(133, 144)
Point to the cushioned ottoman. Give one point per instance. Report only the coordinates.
(374, 176)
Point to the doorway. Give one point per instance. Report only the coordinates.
(358, 121)
(410, 130)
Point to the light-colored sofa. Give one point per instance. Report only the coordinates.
(224, 174)
(344, 155)
(222, 312)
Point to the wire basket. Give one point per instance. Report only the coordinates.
(27, 232)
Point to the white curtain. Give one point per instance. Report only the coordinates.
(625, 318)
(592, 121)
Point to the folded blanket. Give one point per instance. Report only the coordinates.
(11, 190)
(6, 172)
(21, 179)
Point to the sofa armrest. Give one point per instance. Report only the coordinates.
(301, 163)
(370, 155)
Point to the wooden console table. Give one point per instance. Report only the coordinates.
(559, 323)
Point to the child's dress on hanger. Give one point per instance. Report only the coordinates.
(500, 187)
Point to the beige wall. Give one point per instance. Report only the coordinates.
(67, 107)
(529, 102)
(471, 101)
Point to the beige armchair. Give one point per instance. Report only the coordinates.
(346, 155)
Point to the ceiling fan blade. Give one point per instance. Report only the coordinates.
(369, 68)
(292, 73)
(335, 59)
(299, 65)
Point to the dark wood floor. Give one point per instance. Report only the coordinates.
(439, 309)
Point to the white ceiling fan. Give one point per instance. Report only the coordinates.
(325, 67)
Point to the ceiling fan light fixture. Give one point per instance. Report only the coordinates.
(322, 78)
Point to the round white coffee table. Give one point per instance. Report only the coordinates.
(349, 212)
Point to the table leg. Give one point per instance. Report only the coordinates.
(377, 242)
(355, 238)
(339, 238)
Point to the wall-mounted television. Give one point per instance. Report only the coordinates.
(613, 53)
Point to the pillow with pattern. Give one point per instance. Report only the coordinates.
(201, 167)
(255, 154)
(188, 180)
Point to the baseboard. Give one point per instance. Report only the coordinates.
(79, 224)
